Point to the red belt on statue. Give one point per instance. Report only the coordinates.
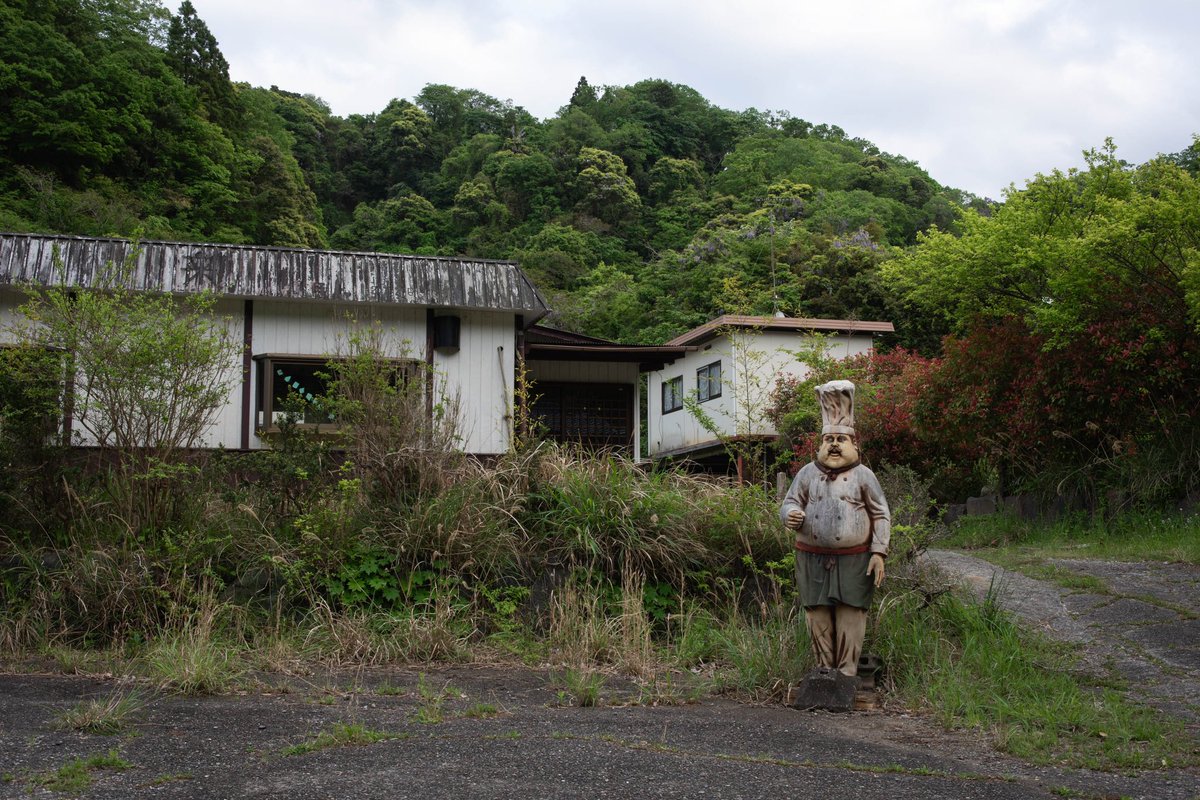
(832, 551)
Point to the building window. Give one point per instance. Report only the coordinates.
(295, 388)
(672, 395)
(596, 415)
(708, 382)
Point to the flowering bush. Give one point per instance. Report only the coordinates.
(1108, 409)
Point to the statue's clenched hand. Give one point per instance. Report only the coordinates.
(795, 519)
(876, 568)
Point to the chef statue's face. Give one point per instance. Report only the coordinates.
(837, 450)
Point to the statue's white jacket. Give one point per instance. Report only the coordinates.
(842, 509)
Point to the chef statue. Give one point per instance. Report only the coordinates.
(840, 516)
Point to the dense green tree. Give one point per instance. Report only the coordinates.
(1067, 248)
(194, 55)
(559, 255)
(405, 224)
(1085, 286)
(603, 188)
(1189, 157)
(527, 184)
(584, 97)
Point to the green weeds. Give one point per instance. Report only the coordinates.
(104, 716)
(763, 656)
(341, 735)
(591, 567)
(432, 708)
(582, 687)
(75, 776)
(974, 667)
(195, 658)
(1129, 536)
(481, 711)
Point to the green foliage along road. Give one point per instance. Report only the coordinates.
(641, 210)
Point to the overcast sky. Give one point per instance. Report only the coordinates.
(982, 93)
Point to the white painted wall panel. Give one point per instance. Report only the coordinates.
(480, 377)
(679, 429)
(227, 430)
(9, 300)
(319, 329)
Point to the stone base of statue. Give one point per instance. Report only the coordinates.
(825, 689)
(828, 689)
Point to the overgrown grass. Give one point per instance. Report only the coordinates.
(341, 735)
(75, 776)
(1130, 536)
(582, 687)
(590, 567)
(427, 633)
(196, 656)
(105, 716)
(972, 666)
(761, 656)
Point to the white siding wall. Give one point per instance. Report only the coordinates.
(227, 430)
(480, 378)
(679, 429)
(318, 329)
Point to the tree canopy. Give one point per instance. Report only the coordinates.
(120, 118)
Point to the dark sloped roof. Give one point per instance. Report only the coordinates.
(540, 334)
(714, 327)
(275, 272)
(549, 344)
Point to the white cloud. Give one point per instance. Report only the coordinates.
(981, 93)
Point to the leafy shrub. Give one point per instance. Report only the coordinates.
(149, 373)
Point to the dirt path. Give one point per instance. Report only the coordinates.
(487, 732)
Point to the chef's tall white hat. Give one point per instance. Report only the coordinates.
(837, 407)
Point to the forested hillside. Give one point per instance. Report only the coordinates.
(640, 210)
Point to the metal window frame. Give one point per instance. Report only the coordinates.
(704, 381)
(677, 394)
(265, 396)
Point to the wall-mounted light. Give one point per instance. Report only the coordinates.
(446, 333)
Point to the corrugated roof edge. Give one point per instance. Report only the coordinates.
(540, 311)
(268, 247)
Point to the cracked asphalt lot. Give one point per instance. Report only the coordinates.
(505, 733)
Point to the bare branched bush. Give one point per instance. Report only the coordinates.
(916, 525)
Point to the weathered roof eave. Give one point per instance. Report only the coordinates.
(279, 273)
